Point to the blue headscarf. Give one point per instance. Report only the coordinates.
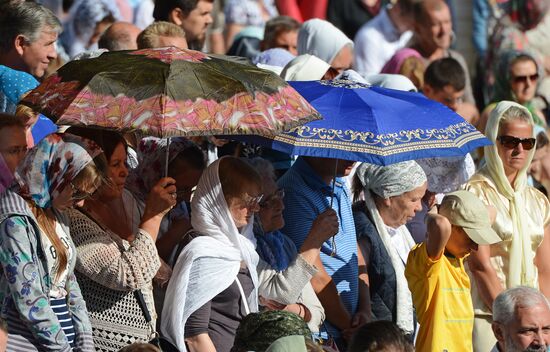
(274, 57)
(13, 84)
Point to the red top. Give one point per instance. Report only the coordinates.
(303, 10)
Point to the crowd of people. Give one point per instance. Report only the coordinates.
(113, 242)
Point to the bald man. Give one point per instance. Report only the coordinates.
(120, 36)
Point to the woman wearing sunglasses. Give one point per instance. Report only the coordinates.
(523, 215)
(40, 298)
(516, 79)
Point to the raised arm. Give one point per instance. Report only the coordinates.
(286, 286)
(439, 232)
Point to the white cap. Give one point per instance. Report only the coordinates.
(305, 68)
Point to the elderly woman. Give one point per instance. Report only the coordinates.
(40, 297)
(523, 214)
(215, 280)
(13, 147)
(393, 195)
(87, 21)
(278, 250)
(117, 256)
(516, 79)
(322, 39)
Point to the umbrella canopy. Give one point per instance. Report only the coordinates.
(170, 92)
(373, 124)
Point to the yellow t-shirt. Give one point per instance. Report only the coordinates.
(441, 295)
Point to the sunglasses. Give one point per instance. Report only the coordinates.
(269, 202)
(251, 202)
(512, 142)
(79, 194)
(523, 79)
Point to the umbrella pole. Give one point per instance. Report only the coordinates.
(167, 157)
(333, 239)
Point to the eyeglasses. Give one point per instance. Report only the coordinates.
(512, 142)
(523, 79)
(251, 202)
(79, 194)
(269, 202)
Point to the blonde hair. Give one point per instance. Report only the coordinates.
(149, 37)
(515, 113)
(25, 113)
(89, 178)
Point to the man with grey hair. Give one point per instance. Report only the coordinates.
(28, 32)
(521, 321)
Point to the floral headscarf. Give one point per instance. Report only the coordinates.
(502, 89)
(152, 163)
(51, 165)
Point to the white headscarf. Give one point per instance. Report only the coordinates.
(305, 68)
(322, 39)
(208, 264)
(391, 181)
(83, 17)
(521, 267)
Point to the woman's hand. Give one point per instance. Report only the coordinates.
(324, 227)
(162, 198)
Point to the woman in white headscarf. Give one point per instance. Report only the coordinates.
(215, 281)
(392, 195)
(322, 39)
(523, 214)
(87, 21)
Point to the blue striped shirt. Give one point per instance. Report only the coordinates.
(307, 196)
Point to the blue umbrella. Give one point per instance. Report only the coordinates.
(373, 124)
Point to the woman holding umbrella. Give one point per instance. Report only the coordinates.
(116, 249)
(40, 297)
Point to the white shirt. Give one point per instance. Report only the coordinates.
(58, 275)
(376, 42)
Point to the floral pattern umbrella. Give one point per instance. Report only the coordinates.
(170, 92)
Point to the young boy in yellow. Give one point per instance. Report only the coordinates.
(435, 272)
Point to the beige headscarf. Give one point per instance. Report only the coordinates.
(521, 268)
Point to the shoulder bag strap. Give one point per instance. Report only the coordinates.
(243, 296)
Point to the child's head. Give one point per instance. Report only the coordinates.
(380, 336)
(445, 82)
(471, 223)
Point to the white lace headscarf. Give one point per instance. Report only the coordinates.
(210, 263)
(392, 181)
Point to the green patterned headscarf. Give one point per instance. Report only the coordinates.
(258, 331)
